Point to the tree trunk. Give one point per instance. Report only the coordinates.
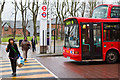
(1, 10)
(23, 26)
(62, 32)
(23, 13)
(34, 10)
(34, 22)
(14, 33)
(56, 28)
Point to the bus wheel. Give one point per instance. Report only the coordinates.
(111, 57)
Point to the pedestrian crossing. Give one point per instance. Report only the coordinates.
(31, 69)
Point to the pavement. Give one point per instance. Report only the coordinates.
(58, 49)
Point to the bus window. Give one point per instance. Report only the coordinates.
(86, 39)
(100, 12)
(115, 12)
(97, 34)
(71, 34)
(111, 32)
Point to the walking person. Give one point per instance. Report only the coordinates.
(14, 54)
(25, 47)
(34, 42)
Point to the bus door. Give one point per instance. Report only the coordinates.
(91, 41)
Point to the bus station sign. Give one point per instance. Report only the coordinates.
(43, 28)
(44, 12)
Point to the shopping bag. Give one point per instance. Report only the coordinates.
(20, 62)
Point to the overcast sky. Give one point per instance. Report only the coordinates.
(9, 9)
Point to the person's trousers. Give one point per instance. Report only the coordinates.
(33, 48)
(25, 54)
(13, 65)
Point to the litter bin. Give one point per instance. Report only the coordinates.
(20, 41)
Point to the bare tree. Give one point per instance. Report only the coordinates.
(1, 10)
(73, 7)
(83, 8)
(92, 4)
(15, 16)
(118, 2)
(56, 27)
(54, 14)
(62, 14)
(23, 10)
(34, 10)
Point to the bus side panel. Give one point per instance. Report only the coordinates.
(80, 49)
(103, 54)
(109, 12)
(119, 48)
(107, 46)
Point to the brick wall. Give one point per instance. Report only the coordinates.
(53, 26)
(10, 31)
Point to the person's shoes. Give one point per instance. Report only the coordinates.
(25, 59)
(14, 74)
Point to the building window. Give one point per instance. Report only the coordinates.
(5, 28)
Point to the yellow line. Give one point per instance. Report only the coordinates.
(25, 71)
(5, 69)
(9, 68)
(32, 64)
(5, 65)
(35, 76)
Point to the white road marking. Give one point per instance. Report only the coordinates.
(46, 69)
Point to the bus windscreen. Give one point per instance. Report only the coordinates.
(71, 34)
(100, 12)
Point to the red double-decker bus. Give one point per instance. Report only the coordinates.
(91, 39)
(106, 11)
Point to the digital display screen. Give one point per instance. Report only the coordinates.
(112, 26)
(70, 22)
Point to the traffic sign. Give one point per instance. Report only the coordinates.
(44, 12)
(44, 8)
(44, 15)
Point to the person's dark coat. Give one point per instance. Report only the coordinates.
(12, 53)
(34, 42)
(25, 45)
